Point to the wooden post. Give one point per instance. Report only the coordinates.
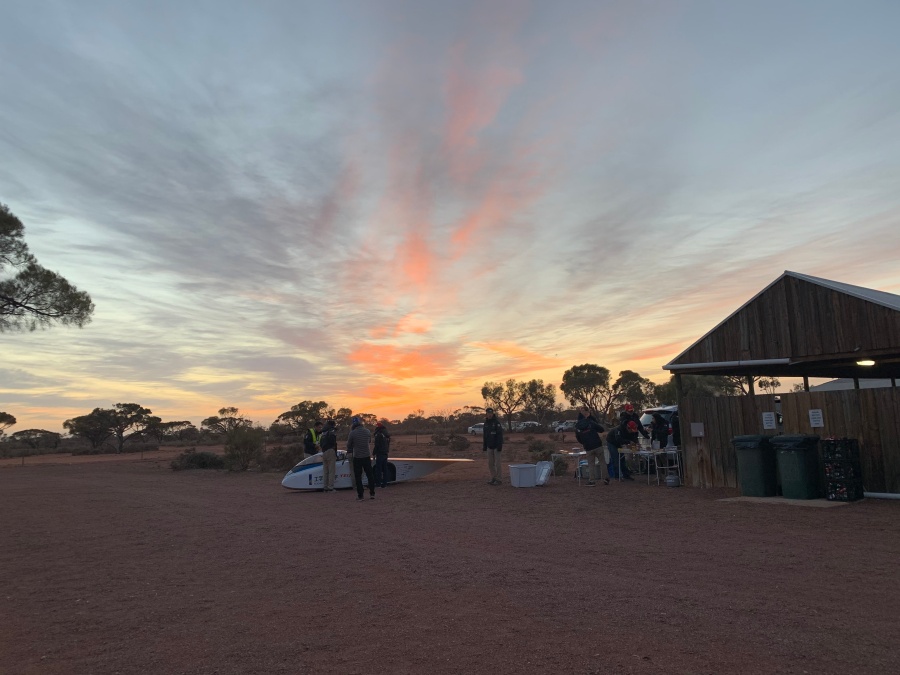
(751, 384)
(806, 383)
(856, 383)
(893, 381)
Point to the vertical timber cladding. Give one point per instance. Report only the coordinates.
(870, 415)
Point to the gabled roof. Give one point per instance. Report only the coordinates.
(870, 294)
(802, 325)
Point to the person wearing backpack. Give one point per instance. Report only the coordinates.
(492, 444)
(587, 432)
(328, 443)
(382, 445)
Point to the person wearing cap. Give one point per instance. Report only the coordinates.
(587, 432)
(382, 445)
(492, 443)
(358, 448)
(629, 415)
(328, 443)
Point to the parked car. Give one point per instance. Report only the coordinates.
(562, 427)
(477, 428)
(530, 425)
(666, 411)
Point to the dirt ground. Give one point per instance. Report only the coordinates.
(127, 567)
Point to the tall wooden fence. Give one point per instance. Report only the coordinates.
(870, 415)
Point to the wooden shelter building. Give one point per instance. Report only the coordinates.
(798, 326)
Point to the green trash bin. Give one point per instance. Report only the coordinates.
(756, 466)
(798, 464)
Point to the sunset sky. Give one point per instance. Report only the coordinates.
(384, 204)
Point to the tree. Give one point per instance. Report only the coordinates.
(32, 296)
(539, 399)
(634, 389)
(225, 422)
(769, 384)
(508, 398)
(304, 415)
(588, 385)
(244, 446)
(6, 421)
(130, 421)
(179, 430)
(697, 385)
(96, 427)
(36, 438)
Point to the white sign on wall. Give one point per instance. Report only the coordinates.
(769, 420)
(815, 419)
(697, 429)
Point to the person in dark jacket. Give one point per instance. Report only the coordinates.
(492, 443)
(659, 430)
(382, 445)
(676, 429)
(587, 431)
(615, 439)
(311, 439)
(328, 443)
(629, 415)
(358, 448)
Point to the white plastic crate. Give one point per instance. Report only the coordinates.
(523, 475)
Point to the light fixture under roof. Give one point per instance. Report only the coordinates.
(865, 362)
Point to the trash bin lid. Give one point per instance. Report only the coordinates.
(795, 442)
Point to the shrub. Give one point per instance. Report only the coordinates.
(197, 460)
(243, 448)
(560, 466)
(282, 457)
(541, 451)
(458, 443)
(555, 437)
(528, 438)
(440, 439)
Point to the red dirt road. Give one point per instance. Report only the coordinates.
(128, 567)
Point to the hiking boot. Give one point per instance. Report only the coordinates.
(606, 481)
(359, 499)
(372, 496)
(591, 483)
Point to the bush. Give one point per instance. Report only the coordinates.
(458, 443)
(560, 466)
(243, 448)
(197, 460)
(440, 439)
(555, 437)
(541, 451)
(528, 438)
(282, 457)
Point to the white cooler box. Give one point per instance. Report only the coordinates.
(523, 475)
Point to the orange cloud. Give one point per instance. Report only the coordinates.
(403, 363)
(510, 350)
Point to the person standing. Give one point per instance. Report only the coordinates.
(311, 439)
(382, 445)
(328, 443)
(629, 415)
(587, 432)
(358, 448)
(492, 443)
(659, 430)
